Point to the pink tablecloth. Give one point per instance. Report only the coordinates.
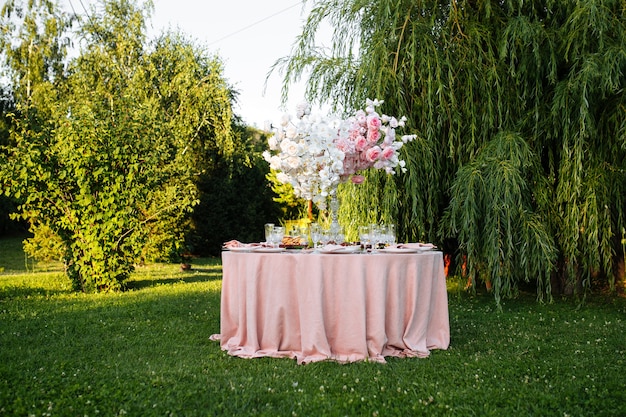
(343, 307)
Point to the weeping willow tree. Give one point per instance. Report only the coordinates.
(520, 112)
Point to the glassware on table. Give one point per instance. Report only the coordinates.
(277, 235)
(391, 234)
(382, 235)
(387, 234)
(327, 236)
(316, 234)
(364, 236)
(303, 234)
(269, 228)
(375, 235)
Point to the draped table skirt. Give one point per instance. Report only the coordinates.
(342, 307)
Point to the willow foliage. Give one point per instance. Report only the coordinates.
(520, 111)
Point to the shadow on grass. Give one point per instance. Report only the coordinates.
(203, 270)
(44, 280)
(14, 292)
(194, 276)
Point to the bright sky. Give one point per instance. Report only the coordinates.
(248, 35)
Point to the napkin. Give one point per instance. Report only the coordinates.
(238, 244)
(332, 248)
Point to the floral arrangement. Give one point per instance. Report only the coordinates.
(370, 141)
(307, 157)
(315, 154)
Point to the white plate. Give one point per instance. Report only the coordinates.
(268, 250)
(401, 250)
(345, 249)
(241, 249)
(427, 248)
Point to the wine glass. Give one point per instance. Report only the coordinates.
(382, 235)
(391, 234)
(375, 236)
(327, 237)
(269, 228)
(316, 234)
(364, 236)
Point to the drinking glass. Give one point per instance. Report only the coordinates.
(326, 237)
(388, 234)
(269, 228)
(277, 235)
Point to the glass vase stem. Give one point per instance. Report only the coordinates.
(335, 229)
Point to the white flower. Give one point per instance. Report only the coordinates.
(338, 166)
(273, 143)
(282, 177)
(360, 117)
(293, 162)
(390, 134)
(291, 132)
(373, 103)
(290, 147)
(276, 162)
(303, 109)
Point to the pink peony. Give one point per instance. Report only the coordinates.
(357, 179)
(373, 122)
(388, 152)
(373, 153)
(373, 136)
(361, 144)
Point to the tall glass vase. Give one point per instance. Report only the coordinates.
(335, 232)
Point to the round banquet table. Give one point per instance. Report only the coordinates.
(342, 307)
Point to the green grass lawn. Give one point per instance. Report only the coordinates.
(146, 352)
